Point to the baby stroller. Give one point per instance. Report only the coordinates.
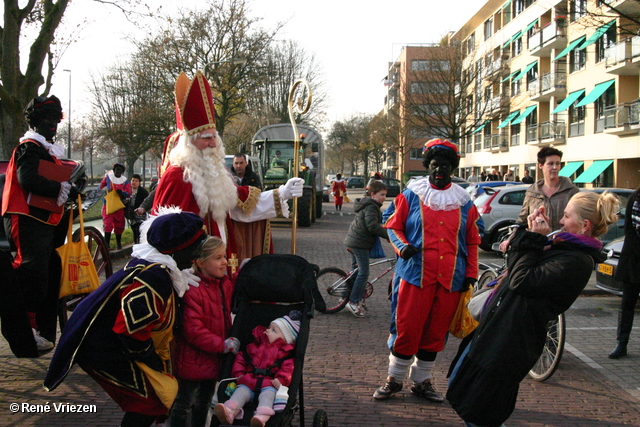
(268, 287)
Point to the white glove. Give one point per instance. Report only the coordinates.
(65, 187)
(231, 345)
(191, 277)
(293, 188)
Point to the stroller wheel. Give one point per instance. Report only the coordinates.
(320, 419)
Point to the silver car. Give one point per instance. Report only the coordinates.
(499, 208)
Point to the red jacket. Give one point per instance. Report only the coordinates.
(263, 354)
(206, 323)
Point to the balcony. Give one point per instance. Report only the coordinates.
(551, 84)
(497, 105)
(553, 36)
(496, 66)
(551, 132)
(622, 119)
(499, 142)
(532, 134)
(626, 7)
(533, 88)
(623, 58)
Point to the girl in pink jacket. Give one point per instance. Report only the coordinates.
(272, 350)
(203, 336)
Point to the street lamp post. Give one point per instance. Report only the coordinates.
(69, 119)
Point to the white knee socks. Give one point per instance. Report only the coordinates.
(421, 371)
(398, 367)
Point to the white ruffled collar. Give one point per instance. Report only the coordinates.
(439, 200)
(54, 149)
(148, 253)
(115, 180)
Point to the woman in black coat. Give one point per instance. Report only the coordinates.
(628, 272)
(138, 194)
(543, 280)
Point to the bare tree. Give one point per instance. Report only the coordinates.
(348, 143)
(17, 87)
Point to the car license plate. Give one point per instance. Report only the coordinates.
(605, 269)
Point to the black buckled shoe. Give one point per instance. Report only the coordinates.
(427, 390)
(387, 390)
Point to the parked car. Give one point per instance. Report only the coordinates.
(606, 270)
(394, 186)
(499, 208)
(355, 182)
(330, 178)
(326, 191)
(477, 188)
(456, 180)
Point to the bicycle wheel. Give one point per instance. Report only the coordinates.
(336, 287)
(552, 353)
(486, 277)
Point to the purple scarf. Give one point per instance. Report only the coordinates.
(578, 239)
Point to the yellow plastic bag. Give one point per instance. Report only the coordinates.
(165, 385)
(462, 323)
(114, 203)
(79, 275)
(347, 199)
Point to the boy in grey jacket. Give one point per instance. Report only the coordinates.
(362, 235)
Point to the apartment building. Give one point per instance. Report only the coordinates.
(553, 72)
(420, 84)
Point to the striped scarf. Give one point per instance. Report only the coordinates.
(578, 239)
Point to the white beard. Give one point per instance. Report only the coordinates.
(212, 185)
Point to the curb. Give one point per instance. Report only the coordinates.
(120, 253)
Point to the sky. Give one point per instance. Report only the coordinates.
(353, 40)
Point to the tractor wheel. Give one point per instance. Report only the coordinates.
(318, 205)
(304, 207)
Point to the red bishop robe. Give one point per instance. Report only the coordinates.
(244, 239)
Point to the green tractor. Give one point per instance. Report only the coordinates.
(274, 146)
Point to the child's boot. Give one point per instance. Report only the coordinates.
(227, 411)
(261, 416)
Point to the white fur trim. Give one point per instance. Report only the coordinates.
(115, 180)
(439, 200)
(53, 149)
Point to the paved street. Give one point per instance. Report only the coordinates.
(347, 357)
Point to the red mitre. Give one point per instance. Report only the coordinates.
(442, 143)
(194, 104)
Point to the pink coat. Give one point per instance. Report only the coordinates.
(206, 323)
(263, 355)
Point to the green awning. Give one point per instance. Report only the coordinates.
(599, 33)
(513, 37)
(525, 71)
(596, 93)
(524, 114)
(506, 121)
(570, 168)
(530, 26)
(510, 75)
(569, 48)
(593, 171)
(479, 128)
(568, 101)
(505, 5)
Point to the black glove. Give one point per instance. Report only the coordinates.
(408, 251)
(468, 283)
(73, 193)
(119, 192)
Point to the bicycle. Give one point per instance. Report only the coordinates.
(338, 284)
(551, 355)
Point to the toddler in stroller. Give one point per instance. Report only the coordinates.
(264, 367)
(269, 287)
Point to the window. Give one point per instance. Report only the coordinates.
(431, 110)
(479, 69)
(576, 118)
(515, 198)
(532, 77)
(471, 44)
(515, 87)
(578, 9)
(487, 93)
(469, 105)
(532, 127)
(419, 133)
(516, 47)
(607, 39)
(607, 99)
(488, 28)
(577, 60)
(430, 65)
(518, 7)
(515, 134)
(415, 154)
(429, 87)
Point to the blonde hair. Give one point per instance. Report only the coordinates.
(600, 209)
(209, 246)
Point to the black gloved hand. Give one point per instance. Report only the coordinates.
(408, 251)
(119, 192)
(468, 283)
(73, 193)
